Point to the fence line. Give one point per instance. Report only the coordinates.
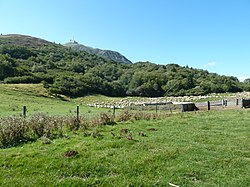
(173, 107)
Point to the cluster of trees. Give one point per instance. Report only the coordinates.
(74, 73)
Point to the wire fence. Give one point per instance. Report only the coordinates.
(167, 108)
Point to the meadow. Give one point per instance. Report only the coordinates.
(37, 99)
(208, 148)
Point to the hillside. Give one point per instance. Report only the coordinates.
(22, 40)
(29, 41)
(113, 55)
(63, 70)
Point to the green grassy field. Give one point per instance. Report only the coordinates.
(35, 97)
(189, 149)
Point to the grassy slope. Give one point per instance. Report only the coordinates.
(35, 97)
(202, 149)
(22, 40)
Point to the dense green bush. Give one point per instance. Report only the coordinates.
(22, 79)
(16, 51)
(7, 66)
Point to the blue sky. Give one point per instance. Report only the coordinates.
(204, 34)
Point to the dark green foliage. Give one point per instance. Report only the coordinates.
(78, 73)
(16, 52)
(22, 79)
(7, 65)
(246, 85)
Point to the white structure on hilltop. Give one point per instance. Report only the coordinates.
(73, 41)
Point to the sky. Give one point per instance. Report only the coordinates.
(204, 34)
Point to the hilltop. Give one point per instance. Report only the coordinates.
(113, 55)
(23, 40)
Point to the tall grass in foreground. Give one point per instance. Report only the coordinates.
(12, 130)
(15, 130)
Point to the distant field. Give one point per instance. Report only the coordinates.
(35, 97)
(190, 149)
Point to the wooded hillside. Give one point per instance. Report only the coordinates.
(76, 73)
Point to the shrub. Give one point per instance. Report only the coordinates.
(103, 119)
(74, 123)
(43, 125)
(145, 116)
(21, 79)
(12, 130)
(125, 116)
(138, 115)
(106, 119)
(56, 125)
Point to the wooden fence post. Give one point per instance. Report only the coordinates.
(237, 102)
(24, 111)
(77, 112)
(114, 111)
(156, 108)
(208, 105)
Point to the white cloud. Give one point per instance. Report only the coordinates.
(242, 78)
(210, 64)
